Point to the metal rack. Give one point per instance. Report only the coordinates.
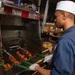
(21, 11)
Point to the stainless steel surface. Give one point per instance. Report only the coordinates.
(21, 30)
(0, 52)
(0, 44)
(19, 34)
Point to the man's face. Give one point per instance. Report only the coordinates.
(59, 22)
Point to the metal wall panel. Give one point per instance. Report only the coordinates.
(0, 47)
(25, 31)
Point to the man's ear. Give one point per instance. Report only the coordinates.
(64, 16)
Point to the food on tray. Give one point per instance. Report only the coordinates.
(2, 60)
(47, 45)
(22, 57)
(28, 53)
(6, 67)
(13, 60)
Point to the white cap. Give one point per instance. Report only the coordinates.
(68, 6)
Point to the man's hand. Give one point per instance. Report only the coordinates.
(48, 58)
(32, 67)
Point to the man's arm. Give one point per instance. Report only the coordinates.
(42, 70)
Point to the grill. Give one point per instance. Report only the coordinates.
(18, 36)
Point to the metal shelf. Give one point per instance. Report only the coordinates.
(20, 11)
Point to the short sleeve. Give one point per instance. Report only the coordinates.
(63, 60)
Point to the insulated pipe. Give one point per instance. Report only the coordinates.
(39, 3)
(45, 15)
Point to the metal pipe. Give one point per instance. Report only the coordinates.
(39, 3)
(45, 15)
